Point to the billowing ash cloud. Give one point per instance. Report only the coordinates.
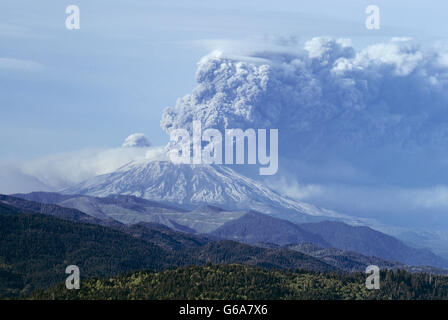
(388, 100)
(136, 140)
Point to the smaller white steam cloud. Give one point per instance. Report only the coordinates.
(138, 140)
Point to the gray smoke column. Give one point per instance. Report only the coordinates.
(326, 88)
(327, 98)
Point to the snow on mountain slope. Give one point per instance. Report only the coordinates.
(195, 185)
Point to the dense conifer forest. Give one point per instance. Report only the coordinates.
(247, 282)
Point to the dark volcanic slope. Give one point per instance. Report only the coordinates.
(255, 227)
(43, 197)
(123, 208)
(369, 242)
(125, 201)
(56, 211)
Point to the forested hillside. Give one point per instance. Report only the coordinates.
(245, 282)
(36, 248)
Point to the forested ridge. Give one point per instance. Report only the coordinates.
(35, 249)
(246, 282)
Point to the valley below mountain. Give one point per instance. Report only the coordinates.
(41, 238)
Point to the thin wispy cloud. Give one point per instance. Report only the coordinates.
(10, 30)
(19, 64)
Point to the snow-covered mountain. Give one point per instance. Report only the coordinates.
(196, 185)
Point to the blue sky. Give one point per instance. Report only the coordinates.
(130, 59)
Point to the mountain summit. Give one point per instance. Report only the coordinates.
(199, 185)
